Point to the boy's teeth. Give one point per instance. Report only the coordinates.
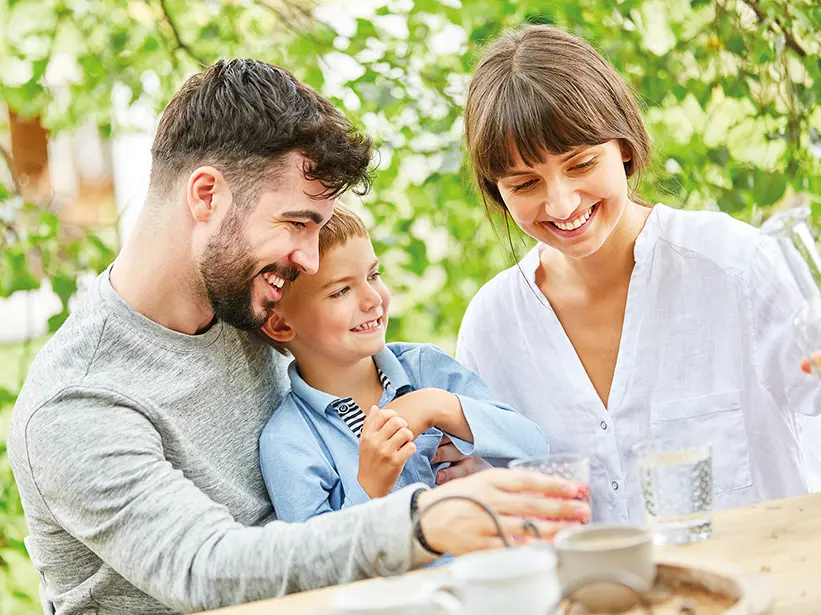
(368, 325)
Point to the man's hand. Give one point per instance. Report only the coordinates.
(385, 444)
(517, 496)
(460, 465)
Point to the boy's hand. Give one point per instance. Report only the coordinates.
(428, 408)
(385, 444)
(423, 408)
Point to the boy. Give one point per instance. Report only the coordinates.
(362, 417)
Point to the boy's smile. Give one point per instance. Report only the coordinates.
(340, 315)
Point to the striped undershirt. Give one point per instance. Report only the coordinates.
(350, 413)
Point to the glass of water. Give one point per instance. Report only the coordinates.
(677, 486)
(791, 231)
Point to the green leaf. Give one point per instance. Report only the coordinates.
(418, 253)
(768, 187)
(56, 321)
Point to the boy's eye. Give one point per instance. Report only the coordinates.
(524, 186)
(340, 292)
(375, 275)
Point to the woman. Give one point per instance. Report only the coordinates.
(626, 322)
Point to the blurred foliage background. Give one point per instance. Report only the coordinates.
(730, 90)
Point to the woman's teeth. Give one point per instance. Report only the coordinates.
(273, 280)
(570, 226)
(373, 324)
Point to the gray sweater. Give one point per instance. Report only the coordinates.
(135, 452)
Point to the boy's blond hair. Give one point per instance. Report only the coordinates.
(343, 225)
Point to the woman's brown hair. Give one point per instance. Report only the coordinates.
(539, 89)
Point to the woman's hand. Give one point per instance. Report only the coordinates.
(806, 366)
(518, 498)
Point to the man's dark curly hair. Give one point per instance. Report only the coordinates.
(244, 116)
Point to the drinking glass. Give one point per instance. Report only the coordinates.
(574, 467)
(789, 228)
(677, 487)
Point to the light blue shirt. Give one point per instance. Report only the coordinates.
(310, 457)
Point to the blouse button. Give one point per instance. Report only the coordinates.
(603, 425)
(615, 486)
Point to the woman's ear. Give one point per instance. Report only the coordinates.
(278, 329)
(626, 154)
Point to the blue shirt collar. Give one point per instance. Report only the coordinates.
(319, 401)
(387, 362)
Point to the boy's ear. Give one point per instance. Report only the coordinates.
(277, 329)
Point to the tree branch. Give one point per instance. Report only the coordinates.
(789, 39)
(281, 16)
(7, 158)
(180, 45)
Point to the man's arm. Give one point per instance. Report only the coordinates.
(98, 465)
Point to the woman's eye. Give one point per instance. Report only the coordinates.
(584, 165)
(339, 293)
(524, 186)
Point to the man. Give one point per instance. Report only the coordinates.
(134, 440)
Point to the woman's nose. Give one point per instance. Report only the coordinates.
(562, 200)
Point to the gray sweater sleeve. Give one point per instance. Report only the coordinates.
(98, 464)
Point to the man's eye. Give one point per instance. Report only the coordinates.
(299, 225)
(524, 186)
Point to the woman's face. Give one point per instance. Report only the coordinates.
(570, 202)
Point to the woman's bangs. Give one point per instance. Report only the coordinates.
(523, 123)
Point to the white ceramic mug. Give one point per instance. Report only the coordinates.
(397, 596)
(520, 580)
(601, 550)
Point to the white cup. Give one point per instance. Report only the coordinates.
(397, 596)
(602, 550)
(520, 580)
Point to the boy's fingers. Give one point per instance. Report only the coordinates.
(376, 419)
(391, 426)
(406, 452)
(400, 438)
(805, 366)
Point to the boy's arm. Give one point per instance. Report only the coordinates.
(498, 431)
(300, 481)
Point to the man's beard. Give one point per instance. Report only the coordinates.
(228, 272)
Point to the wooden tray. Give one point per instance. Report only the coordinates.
(696, 587)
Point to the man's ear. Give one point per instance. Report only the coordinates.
(207, 194)
(278, 329)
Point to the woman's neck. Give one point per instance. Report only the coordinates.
(609, 267)
(358, 380)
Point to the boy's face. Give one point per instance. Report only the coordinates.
(341, 313)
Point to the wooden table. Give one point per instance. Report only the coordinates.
(779, 540)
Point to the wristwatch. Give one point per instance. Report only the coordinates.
(418, 535)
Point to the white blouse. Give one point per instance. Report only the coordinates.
(707, 352)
